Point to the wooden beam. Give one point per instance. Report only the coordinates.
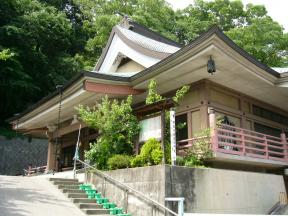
(111, 89)
(158, 106)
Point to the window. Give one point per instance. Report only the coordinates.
(267, 130)
(267, 114)
(181, 127)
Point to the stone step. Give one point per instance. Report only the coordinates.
(73, 191)
(89, 206)
(96, 211)
(83, 200)
(66, 183)
(77, 195)
(63, 179)
(75, 187)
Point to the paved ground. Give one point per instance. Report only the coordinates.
(32, 196)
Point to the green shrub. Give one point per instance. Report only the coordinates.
(151, 147)
(119, 162)
(150, 154)
(180, 161)
(137, 161)
(157, 155)
(191, 161)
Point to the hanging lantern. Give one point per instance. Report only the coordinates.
(211, 68)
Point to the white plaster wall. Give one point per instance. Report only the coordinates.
(131, 66)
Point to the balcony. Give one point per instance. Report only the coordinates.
(238, 145)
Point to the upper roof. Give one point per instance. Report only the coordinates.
(146, 32)
(147, 42)
(140, 44)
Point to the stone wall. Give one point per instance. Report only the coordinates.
(16, 154)
(205, 190)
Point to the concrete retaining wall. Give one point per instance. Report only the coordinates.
(148, 180)
(16, 154)
(224, 191)
(205, 190)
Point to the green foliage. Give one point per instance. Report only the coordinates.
(36, 53)
(180, 93)
(150, 154)
(180, 161)
(9, 134)
(200, 150)
(269, 43)
(167, 150)
(117, 126)
(99, 153)
(152, 96)
(6, 54)
(119, 162)
(137, 161)
(192, 160)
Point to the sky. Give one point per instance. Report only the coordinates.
(277, 9)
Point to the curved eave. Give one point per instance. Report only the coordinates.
(214, 31)
(70, 88)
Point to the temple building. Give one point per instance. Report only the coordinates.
(225, 81)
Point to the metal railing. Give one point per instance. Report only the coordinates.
(127, 188)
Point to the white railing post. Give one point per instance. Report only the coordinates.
(173, 136)
(180, 201)
(213, 128)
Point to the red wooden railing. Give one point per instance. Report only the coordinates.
(238, 141)
(183, 145)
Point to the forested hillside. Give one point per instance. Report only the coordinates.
(45, 42)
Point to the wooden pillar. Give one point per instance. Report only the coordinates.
(163, 135)
(50, 154)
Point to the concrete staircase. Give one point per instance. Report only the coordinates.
(70, 187)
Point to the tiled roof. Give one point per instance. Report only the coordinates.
(146, 42)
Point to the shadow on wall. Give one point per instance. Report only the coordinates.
(180, 183)
(18, 153)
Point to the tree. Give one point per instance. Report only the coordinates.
(250, 27)
(117, 127)
(264, 39)
(36, 40)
